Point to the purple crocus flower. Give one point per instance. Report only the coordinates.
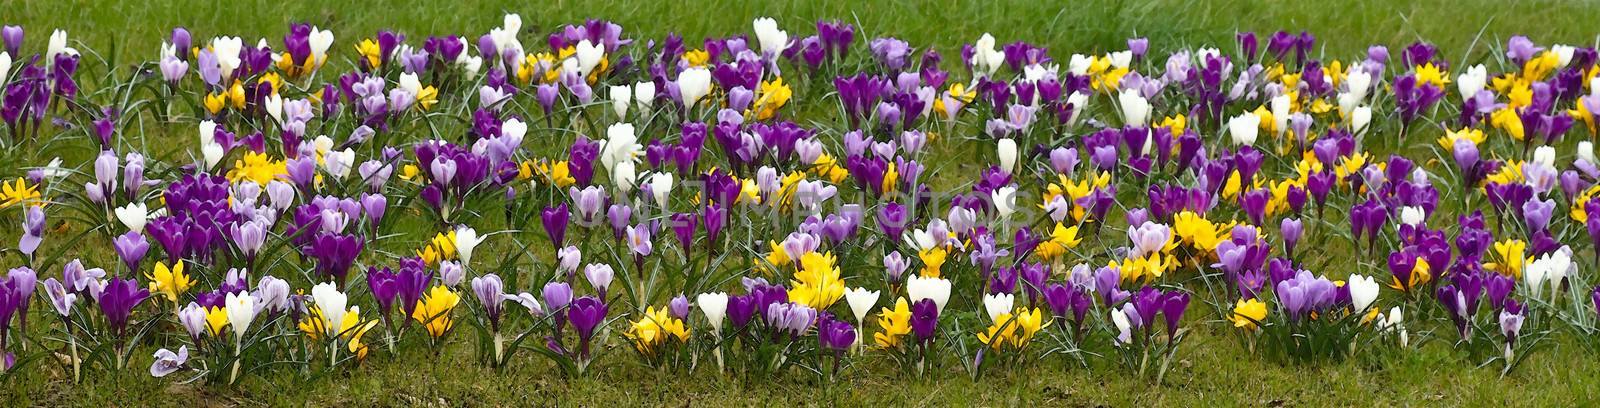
(490, 290)
(586, 314)
(131, 248)
(893, 219)
(554, 220)
(683, 225)
(335, 254)
(13, 39)
(385, 286)
(679, 306)
(924, 320)
(835, 334)
(1291, 229)
(32, 230)
(117, 301)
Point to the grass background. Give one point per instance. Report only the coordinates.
(1213, 368)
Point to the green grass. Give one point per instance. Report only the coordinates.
(1213, 368)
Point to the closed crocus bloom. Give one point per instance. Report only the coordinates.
(1363, 291)
(644, 94)
(715, 307)
(1472, 80)
(1244, 128)
(660, 188)
(773, 41)
(1135, 108)
(332, 302)
(1007, 150)
(620, 99)
(1360, 118)
(599, 276)
(193, 319)
(241, 309)
(861, 301)
(339, 163)
(936, 289)
(134, 216)
(60, 298)
(451, 273)
(997, 304)
(1119, 319)
(466, 239)
(693, 83)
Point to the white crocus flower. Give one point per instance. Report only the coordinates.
(241, 309)
(588, 55)
(644, 94)
(997, 304)
(1363, 291)
(1244, 128)
(1005, 201)
(621, 145)
(466, 239)
(773, 40)
(227, 50)
(986, 59)
(1135, 108)
(331, 302)
(134, 216)
(715, 307)
(861, 301)
(937, 289)
(693, 83)
(1007, 149)
(660, 188)
(1472, 80)
(321, 40)
(1360, 118)
(621, 97)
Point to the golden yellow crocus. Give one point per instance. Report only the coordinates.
(932, 261)
(257, 167)
(441, 248)
(216, 319)
(817, 283)
(433, 310)
(654, 328)
(1512, 256)
(1431, 74)
(896, 324)
(774, 94)
(1246, 313)
(369, 50)
(170, 282)
(17, 192)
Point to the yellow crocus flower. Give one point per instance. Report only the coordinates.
(1246, 313)
(169, 282)
(433, 310)
(896, 324)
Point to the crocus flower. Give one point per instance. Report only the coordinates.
(490, 292)
(118, 300)
(924, 320)
(168, 362)
(586, 314)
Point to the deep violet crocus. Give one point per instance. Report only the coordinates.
(118, 300)
(586, 314)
